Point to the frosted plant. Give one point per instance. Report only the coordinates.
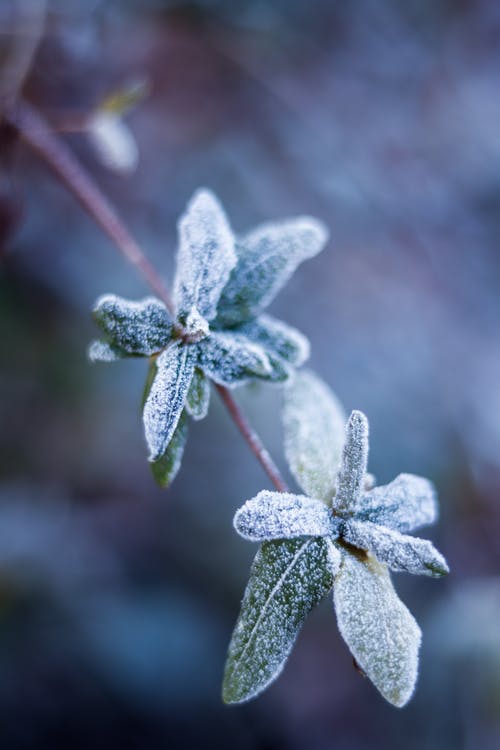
(222, 285)
(342, 534)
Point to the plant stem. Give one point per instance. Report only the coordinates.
(39, 137)
(253, 440)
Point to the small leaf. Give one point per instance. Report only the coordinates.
(287, 580)
(101, 351)
(398, 551)
(406, 504)
(279, 515)
(165, 468)
(198, 398)
(277, 337)
(137, 328)
(205, 258)
(267, 257)
(351, 478)
(167, 396)
(314, 426)
(380, 632)
(230, 359)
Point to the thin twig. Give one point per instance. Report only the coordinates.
(253, 440)
(39, 137)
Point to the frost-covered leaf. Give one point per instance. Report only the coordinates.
(205, 258)
(101, 351)
(142, 327)
(351, 477)
(405, 504)
(280, 515)
(380, 632)
(167, 396)
(313, 421)
(277, 337)
(166, 467)
(267, 257)
(113, 141)
(230, 359)
(286, 581)
(198, 398)
(398, 551)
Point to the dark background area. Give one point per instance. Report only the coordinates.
(117, 599)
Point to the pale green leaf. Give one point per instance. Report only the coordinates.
(405, 504)
(277, 337)
(313, 421)
(166, 467)
(231, 359)
(198, 398)
(379, 630)
(352, 474)
(136, 328)
(286, 581)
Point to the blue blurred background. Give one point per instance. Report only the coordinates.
(117, 599)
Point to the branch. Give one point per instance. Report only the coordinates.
(38, 136)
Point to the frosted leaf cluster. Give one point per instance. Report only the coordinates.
(222, 284)
(364, 533)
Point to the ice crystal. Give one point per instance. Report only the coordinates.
(381, 633)
(214, 279)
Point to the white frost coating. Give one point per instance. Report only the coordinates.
(278, 337)
(278, 515)
(230, 359)
(405, 504)
(351, 478)
(142, 327)
(166, 398)
(101, 351)
(314, 427)
(398, 551)
(334, 556)
(113, 142)
(267, 257)
(287, 580)
(206, 255)
(198, 398)
(379, 630)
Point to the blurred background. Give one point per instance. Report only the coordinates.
(117, 599)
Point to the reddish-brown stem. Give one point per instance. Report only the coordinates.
(38, 135)
(253, 440)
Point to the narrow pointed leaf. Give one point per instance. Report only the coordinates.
(167, 396)
(351, 478)
(267, 257)
(198, 398)
(379, 630)
(314, 427)
(398, 551)
(140, 328)
(407, 503)
(286, 581)
(277, 337)
(166, 468)
(230, 359)
(279, 515)
(206, 256)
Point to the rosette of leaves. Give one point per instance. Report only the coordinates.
(343, 534)
(222, 285)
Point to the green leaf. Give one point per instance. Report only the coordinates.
(167, 396)
(267, 257)
(198, 398)
(231, 359)
(277, 337)
(205, 258)
(136, 328)
(165, 469)
(352, 474)
(287, 580)
(379, 630)
(405, 504)
(313, 421)
(101, 351)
